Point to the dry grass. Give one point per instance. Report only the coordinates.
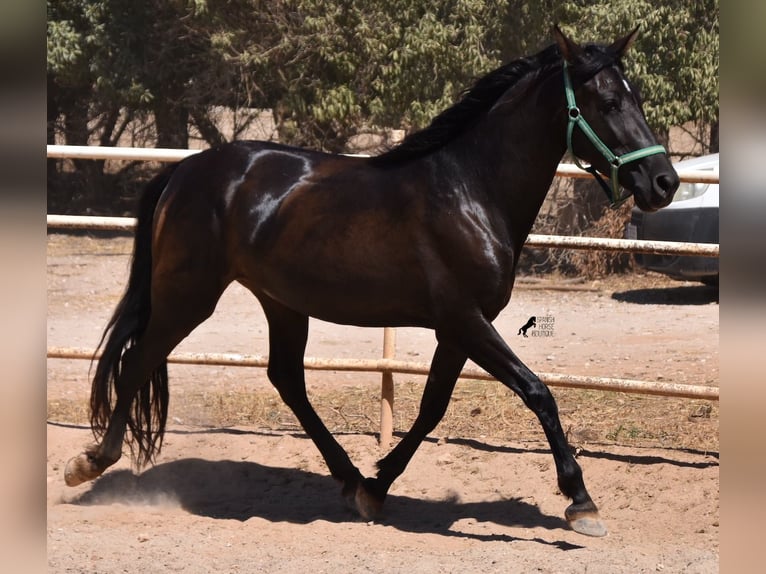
(600, 263)
(578, 209)
(477, 410)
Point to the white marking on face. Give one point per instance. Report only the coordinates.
(627, 86)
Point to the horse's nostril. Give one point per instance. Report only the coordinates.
(665, 184)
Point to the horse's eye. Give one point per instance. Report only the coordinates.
(610, 105)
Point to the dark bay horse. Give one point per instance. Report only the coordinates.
(427, 234)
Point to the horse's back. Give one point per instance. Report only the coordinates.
(236, 184)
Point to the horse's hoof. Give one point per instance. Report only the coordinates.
(585, 521)
(367, 504)
(361, 499)
(589, 526)
(81, 469)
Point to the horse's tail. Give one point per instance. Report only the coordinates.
(148, 413)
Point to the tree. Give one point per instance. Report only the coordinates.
(111, 56)
(327, 69)
(114, 61)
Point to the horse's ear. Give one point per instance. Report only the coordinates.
(570, 50)
(621, 46)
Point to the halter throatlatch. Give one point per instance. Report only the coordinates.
(576, 119)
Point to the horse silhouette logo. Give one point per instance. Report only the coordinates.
(528, 325)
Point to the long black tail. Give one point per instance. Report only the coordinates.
(148, 413)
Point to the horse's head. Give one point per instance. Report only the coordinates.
(607, 127)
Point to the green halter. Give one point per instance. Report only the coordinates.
(576, 119)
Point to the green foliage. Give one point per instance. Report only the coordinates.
(329, 69)
(64, 47)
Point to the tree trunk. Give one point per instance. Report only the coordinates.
(172, 122)
(90, 173)
(207, 128)
(714, 136)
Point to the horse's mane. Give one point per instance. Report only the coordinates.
(480, 98)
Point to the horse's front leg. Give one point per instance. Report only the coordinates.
(445, 369)
(487, 349)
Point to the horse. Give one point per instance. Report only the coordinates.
(532, 322)
(426, 234)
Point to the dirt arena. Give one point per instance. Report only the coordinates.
(239, 488)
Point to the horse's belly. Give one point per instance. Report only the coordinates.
(362, 299)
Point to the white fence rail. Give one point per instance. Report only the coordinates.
(388, 364)
(171, 155)
(89, 222)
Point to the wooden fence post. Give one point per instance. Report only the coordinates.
(387, 391)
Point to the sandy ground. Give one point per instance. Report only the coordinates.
(248, 499)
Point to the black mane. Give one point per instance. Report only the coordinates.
(480, 98)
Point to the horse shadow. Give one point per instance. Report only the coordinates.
(241, 490)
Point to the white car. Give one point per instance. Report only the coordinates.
(692, 216)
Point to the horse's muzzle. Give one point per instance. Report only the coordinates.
(655, 187)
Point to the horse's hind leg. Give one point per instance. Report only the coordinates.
(176, 310)
(288, 333)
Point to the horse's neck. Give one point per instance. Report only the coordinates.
(520, 155)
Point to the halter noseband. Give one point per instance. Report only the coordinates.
(576, 119)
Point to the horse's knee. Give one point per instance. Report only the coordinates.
(539, 398)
